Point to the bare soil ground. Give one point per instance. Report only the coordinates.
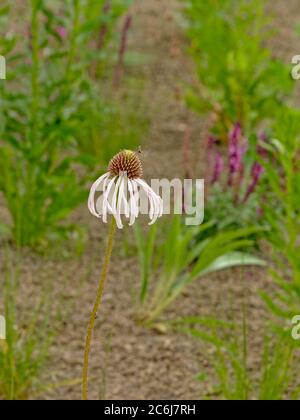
(128, 361)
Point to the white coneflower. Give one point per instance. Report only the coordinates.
(123, 188)
(124, 176)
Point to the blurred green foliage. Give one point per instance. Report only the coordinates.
(28, 338)
(283, 214)
(230, 361)
(239, 79)
(53, 108)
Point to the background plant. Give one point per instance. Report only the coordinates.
(50, 93)
(33, 321)
(26, 349)
(230, 360)
(183, 258)
(282, 213)
(235, 182)
(240, 81)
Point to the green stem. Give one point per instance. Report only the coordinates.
(96, 307)
(74, 38)
(25, 231)
(35, 71)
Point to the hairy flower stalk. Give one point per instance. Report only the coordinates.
(124, 175)
(122, 51)
(95, 310)
(104, 28)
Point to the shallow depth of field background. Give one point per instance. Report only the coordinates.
(205, 88)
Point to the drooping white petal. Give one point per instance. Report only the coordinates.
(155, 215)
(152, 206)
(106, 207)
(120, 203)
(132, 187)
(154, 200)
(159, 204)
(144, 187)
(156, 212)
(107, 194)
(94, 188)
(124, 196)
(136, 198)
(131, 208)
(115, 203)
(159, 208)
(105, 204)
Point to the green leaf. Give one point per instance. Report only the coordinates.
(234, 259)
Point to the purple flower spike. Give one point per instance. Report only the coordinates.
(103, 28)
(62, 32)
(235, 134)
(218, 169)
(256, 173)
(237, 149)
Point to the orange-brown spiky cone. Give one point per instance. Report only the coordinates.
(128, 162)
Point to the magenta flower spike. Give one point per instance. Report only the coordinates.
(218, 168)
(237, 148)
(256, 173)
(62, 32)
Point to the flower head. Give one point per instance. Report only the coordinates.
(123, 189)
(128, 162)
